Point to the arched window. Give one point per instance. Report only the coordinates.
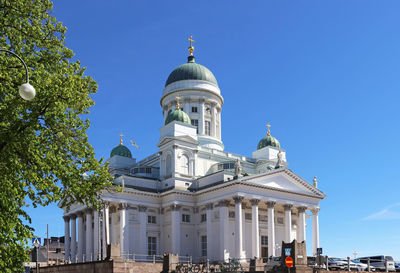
(185, 164)
(168, 165)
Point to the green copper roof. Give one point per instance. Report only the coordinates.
(268, 140)
(121, 150)
(177, 115)
(191, 71)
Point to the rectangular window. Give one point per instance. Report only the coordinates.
(279, 220)
(151, 219)
(231, 214)
(186, 218)
(194, 109)
(151, 245)
(204, 246)
(247, 216)
(204, 217)
(207, 128)
(195, 122)
(264, 240)
(148, 170)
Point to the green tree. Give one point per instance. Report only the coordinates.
(44, 148)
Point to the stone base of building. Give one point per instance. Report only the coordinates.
(104, 267)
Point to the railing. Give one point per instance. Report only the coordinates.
(144, 258)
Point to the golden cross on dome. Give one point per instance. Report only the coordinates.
(120, 141)
(268, 126)
(191, 47)
(177, 102)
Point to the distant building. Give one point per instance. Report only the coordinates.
(192, 197)
(56, 251)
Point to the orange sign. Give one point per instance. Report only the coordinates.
(289, 262)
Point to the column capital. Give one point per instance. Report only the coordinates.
(66, 218)
(123, 206)
(142, 208)
(288, 206)
(270, 204)
(238, 199)
(175, 207)
(209, 206)
(88, 210)
(73, 216)
(315, 211)
(254, 202)
(79, 214)
(106, 204)
(161, 211)
(302, 209)
(224, 203)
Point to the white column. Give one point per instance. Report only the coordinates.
(96, 235)
(80, 237)
(123, 229)
(209, 211)
(66, 238)
(201, 117)
(89, 254)
(301, 227)
(176, 228)
(213, 131)
(142, 230)
(315, 230)
(161, 222)
(288, 223)
(73, 238)
(106, 228)
(186, 106)
(238, 227)
(223, 227)
(255, 240)
(271, 228)
(220, 124)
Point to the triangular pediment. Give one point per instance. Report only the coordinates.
(285, 180)
(186, 139)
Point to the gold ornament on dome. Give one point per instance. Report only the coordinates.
(191, 47)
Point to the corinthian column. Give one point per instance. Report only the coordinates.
(255, 240)
(142, 229)
(315, 230)
(301, 234)
(89, 254)
(175, 228)
(238, 226)
(123, 229)
(223, 227)
(80, 236)
(66, 238)
(209, 208)
(271, 228)
(288, 223)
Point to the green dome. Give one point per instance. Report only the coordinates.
(268, 140)
(178, 115)
(191, 71)
(121, 150)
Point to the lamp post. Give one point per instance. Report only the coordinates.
(26, 91)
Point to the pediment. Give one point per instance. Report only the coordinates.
(285, 180)
(186, 139)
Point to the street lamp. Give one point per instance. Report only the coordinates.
(26, 91)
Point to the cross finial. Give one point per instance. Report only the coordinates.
(268, 126)
(120, 141)
(191, 47)
(177, 102)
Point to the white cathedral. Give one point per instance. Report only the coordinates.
(192, 198)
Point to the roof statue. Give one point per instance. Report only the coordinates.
(279, 163)
(315, 182)
(238, 168)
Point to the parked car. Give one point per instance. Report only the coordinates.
(313, 263)
(337, 264)
(397, 266)
(364, 267)
(273, 263)
(379, 262)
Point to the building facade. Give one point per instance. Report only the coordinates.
(192, 197)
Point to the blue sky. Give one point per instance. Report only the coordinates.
(324, 73)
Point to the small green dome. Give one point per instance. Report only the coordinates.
(178, 115)
(268, 140)
(121, 150)
(191, 71)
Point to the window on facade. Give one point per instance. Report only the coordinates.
(207, 128)
(204, 217)
(185, 164)
(168, 165)
(195, 122)
(204, 246)
(279, 220)
(151, 245)
(264, 240)
(151, 219)
(186, 218)
(194, 109)
(208, 109)
(263, 218)
(247, 216)
(231, 214)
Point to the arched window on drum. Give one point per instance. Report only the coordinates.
(168, 165)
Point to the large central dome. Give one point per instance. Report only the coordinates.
(191, 71)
